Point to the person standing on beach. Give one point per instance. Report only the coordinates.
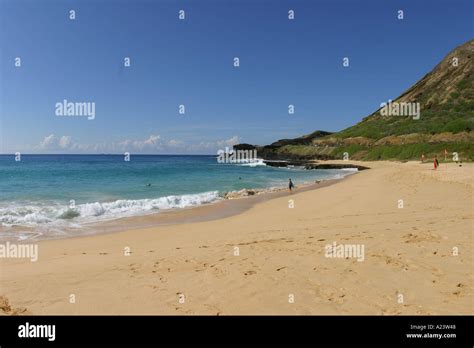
(435, 162)
(422, 157)
(290, 184)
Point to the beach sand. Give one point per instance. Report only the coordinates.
(281, 267)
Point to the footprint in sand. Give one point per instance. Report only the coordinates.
(458, 292)
(250, 273)
(161, 278)
(335, 298)
(218, 272)
(133, 267)
(392, 261)
(320, 268)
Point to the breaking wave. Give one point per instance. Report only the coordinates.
(31, 214)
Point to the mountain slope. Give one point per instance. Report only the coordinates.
(445, 97)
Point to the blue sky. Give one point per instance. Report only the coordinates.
(190, 62)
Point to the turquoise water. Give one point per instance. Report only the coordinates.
(73, 189)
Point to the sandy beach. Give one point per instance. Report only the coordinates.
(271, 258)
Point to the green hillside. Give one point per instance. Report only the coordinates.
(445, 98)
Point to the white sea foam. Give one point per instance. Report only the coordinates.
(53, 215)
(20, 214)
(253, 163)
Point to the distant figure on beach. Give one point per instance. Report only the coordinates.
(422, 157)
(435, 162)
(291, 186)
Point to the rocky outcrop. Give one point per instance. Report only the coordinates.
(334, 166)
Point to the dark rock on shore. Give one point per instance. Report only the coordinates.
(333, 166)
(284, 163)
(306, 165)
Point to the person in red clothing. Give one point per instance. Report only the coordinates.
(435, 162)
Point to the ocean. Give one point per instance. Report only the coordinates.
(71, 190)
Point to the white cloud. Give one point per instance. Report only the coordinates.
(152, 144)
(47, 141)
(125, 142)
(152, 140)
(229, 142)
(214, 146)
(64, 141)
(175, 143)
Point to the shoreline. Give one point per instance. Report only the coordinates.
(250, 263)
(206, 212)
(216, 210)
